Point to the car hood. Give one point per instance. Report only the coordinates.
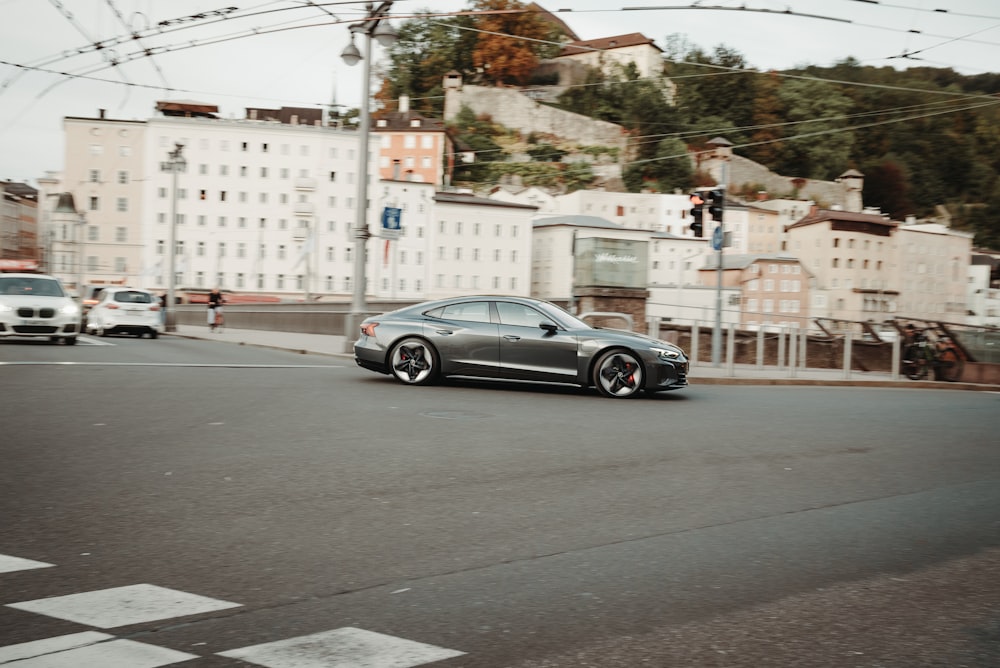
(32, 300)
(635, 337)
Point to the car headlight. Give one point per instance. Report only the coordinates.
(5, 308)
(70, 309)
(667, 353)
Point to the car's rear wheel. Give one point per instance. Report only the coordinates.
(70, 340)
(101, 331)
(153, 333)
(618, 374)
(414, 362)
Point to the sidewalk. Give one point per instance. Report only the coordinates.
(702, 373)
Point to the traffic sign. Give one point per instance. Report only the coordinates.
(391, 219)
(717, 238)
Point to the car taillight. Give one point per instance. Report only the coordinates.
(154, 307)
(368, 328)
(112, 306)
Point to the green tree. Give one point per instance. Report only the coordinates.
(820, 147)
(669, 169)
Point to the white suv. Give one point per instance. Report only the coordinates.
(36, 306)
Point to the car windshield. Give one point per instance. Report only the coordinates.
(21, 285)
(133, 297)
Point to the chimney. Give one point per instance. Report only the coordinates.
(100, 114)
(761, 195)
(404, 104)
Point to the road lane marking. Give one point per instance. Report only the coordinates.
(90, 648)
(9, 564)
(93, 342)
(347, 647)
(123, 606)
(179, 364)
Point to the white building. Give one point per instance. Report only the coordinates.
(256, 200)
(452, 244)
(105, 172)
(934, 268)
(983, 298)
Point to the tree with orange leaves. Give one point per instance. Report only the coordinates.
(507, 49)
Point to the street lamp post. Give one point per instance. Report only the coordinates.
(376, 25)
(174, 164)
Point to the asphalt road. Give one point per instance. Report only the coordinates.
(496, 525)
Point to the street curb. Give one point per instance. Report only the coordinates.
(693, 379)
(806, 382)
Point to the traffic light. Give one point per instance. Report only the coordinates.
(716, 203)
(696, 214)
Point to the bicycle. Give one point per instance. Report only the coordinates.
(921, 356)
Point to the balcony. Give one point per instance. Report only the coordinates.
(304, 208)
(305, 183)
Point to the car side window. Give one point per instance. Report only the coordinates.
(520, 315)
(468, 311)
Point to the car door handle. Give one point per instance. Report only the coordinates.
(444, 332)
(512, 337)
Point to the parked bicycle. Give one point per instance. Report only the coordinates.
(921, 356)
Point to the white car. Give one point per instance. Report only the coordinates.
(121, 310)
(36, 306)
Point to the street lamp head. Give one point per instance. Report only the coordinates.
(385, 34)
(350, 54)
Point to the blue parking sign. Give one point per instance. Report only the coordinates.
(391, 222)
(717, 238)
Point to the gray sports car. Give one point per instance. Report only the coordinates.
(515, 338)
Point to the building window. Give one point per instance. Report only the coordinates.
(121, 204)
(123, 178)
(94, 204)
(92, 232)
(200, 249)
(121, 234)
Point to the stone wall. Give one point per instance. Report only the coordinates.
(511, 108)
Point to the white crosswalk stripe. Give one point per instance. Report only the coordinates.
(140, 603)
(90, 649)
(10, 564)
(342, 648)
(123, 606)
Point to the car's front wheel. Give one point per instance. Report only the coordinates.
(414, 362)
(70, 340)
(618, 374)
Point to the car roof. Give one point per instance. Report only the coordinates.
(10, 274)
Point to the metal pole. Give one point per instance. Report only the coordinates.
(731, 350)
(361, 232)
(174, 163)
(717, 330)
(306, 296)
(79, 257)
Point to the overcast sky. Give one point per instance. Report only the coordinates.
(287, 53)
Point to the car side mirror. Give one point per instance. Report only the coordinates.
(548, 327)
